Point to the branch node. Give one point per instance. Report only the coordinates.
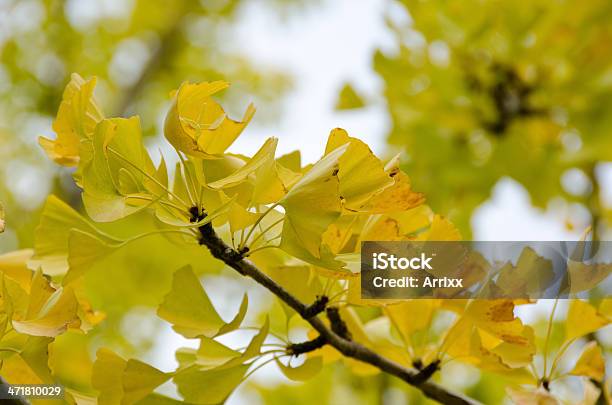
(295, 349)
(316, 307)
(426, 372)
(337, 324)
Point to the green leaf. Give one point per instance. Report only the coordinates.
(212, 354)
(107, 376)
(28, 363)
(113, 166)
(51, 243)
(303, 372)
(85, 250)
(212, 386)
(191, 312)
(139, 380)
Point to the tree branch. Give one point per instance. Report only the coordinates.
(220, 250)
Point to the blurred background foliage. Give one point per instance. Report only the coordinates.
(139, 50)
(475, 91)
(479, 90)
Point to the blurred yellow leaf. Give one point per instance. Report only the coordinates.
(591, 363)
(76, 120)
(582, 319)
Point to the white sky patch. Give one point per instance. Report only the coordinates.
(323, 47)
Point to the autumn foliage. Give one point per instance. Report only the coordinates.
(296, 230)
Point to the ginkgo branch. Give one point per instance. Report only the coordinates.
(308, 346)
(220, 250)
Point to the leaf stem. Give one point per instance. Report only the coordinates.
(147, 175)
(189, 179)
(258, 367)
(259, 249)
(548, 334)
(245, 241)
(160, 231)
(263, 232)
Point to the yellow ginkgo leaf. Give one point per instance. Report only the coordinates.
(211, 386)
(311, 205)
(586, 276)
(300, 281)
(50, 311)
(212, 354)
(76, 120)
(263, 155)
(123, 382)
(441, 229)
(305, 371)
(398, 197)
(605, 307)
(591, 363)
(51, 241)
(582, 319)
(348, 98)
(361, 174)
(197, 125)
(113, 170)
(13, 265)
(239, 217)
(191, 312)
(84, 250)
(531, 276)
(27, 363)
(497, 318)
(466, 343)
(412, 316)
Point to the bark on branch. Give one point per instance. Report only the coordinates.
(220, 250)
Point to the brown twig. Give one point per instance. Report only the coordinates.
(220, 250)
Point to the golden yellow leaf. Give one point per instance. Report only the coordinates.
(13, 265)
(197, 125)
(591, 363)
(50, 312)
(582, 319)
(76, 120)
